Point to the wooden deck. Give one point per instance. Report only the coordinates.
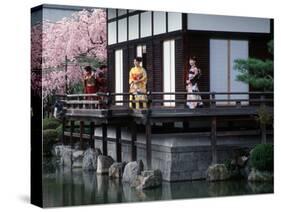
(104, 109)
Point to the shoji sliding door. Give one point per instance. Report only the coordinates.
(223, 53)
(169, 71)
(119, 74)
(239, 50)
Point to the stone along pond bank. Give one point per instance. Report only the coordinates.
(178, 158)
(131, 173)
(254, 165)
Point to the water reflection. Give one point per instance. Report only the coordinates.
(65, 187)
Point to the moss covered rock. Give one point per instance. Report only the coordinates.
(256, 175)
(217, 172)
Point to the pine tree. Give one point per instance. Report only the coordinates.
(259, 74)
(256, 72)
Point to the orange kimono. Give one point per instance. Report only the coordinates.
(138, 81)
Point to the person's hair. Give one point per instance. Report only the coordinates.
(88, 68)
(139, 59)
(102, 67)
(193, 58)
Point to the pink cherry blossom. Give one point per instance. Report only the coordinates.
(81, 34)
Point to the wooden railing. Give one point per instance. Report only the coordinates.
(157, 100)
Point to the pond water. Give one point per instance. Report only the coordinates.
(66, 187)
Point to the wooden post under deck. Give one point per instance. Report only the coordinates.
(118, 144)
(92, 135)
(71, 132)
(104, 139)
(148, 143)
(214, 139)
(63, 130)
(133, 142)
(81, 131)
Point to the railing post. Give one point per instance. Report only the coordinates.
(238, 104)
(109, 100)
(132, 98)
(212, 100)
(149, 99)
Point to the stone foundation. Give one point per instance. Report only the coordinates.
(181, 156)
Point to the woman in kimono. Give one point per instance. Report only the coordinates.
(90, 82)
(194, 74)
(90, 85)
(137, 83)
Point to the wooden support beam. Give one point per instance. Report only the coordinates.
(92, 135)
(71, 132)
(63, 130)
(118, 144)
(214, 139)
(81, 133)
(133, 141)
(81, 130)
(148, 143)
(104, 139)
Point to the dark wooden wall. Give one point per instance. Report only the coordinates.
(198, 45)
(111, 69)
(186, 44)
(258, 48)
(126, 68)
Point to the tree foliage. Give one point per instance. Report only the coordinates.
(256, 72)
(82, 35)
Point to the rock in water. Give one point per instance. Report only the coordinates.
(90, 159)
(245, 171)
(116, 170)
(66, 158)
(77, 158)
(148, 179)
(131, 171)
(217, 172)
(104, 162)
(256, 175)
(58, 150)
(241, 161)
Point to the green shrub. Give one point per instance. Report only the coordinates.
(227, 164)
(261, 157)
(50, 135)
(50, 123)
(59, 130)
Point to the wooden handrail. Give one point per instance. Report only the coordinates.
(108, 99)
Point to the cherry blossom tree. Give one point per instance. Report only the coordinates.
(83, 34)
